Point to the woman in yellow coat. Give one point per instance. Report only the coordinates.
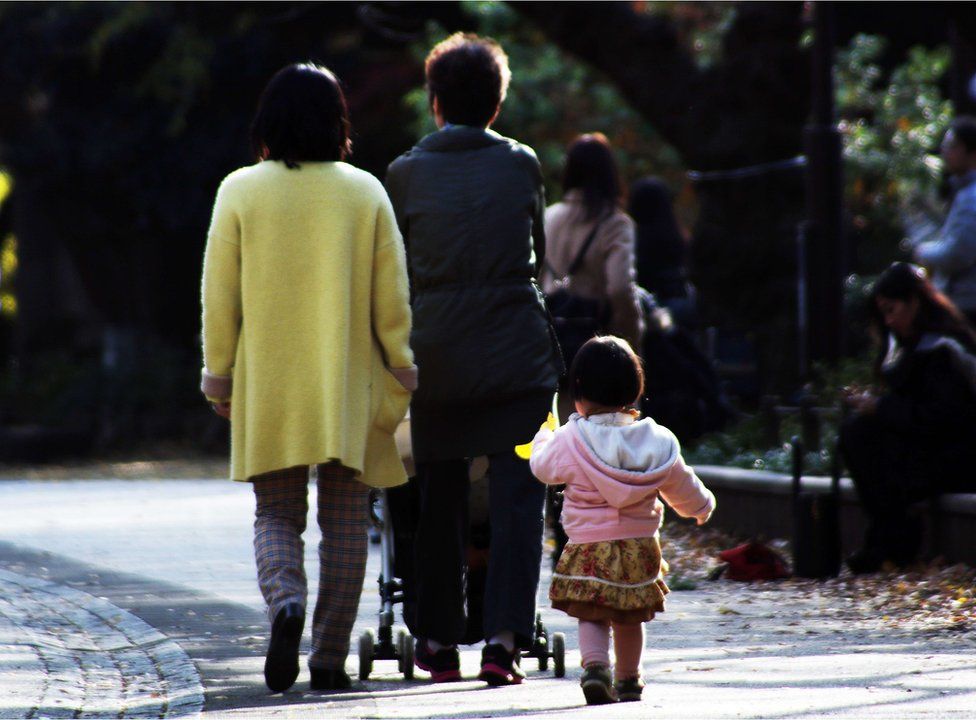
(306, 324)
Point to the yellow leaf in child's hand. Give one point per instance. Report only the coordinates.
(525, 451)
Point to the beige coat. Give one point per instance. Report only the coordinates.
(607, 271)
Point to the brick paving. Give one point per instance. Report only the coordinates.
(68, 654)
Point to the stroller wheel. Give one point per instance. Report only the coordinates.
(401, 637)
(406, 656)
(366, 642)
(558, 654)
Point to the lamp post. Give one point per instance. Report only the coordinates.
(824, 252)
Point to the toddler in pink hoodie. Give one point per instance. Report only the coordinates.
(616, 469)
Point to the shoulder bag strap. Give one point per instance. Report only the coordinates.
(578, 260)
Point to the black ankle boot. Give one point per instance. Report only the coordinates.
(329, 679)
(281, 662)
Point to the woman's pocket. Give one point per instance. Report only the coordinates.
(393, 402)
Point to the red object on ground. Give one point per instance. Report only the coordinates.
(754, 561)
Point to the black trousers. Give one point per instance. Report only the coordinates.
(892, 472)
(885, 485)
(516, 502)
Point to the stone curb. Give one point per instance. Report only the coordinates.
(71, 654)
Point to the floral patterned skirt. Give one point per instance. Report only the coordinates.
(614, 580)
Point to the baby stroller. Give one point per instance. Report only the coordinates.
(393, 512)
(380, 645)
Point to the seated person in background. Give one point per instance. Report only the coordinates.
(591, 204)
(913, 437)
(951, 254)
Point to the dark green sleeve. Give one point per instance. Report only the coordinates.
(396, 188)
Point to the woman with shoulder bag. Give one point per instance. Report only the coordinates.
(589, 271)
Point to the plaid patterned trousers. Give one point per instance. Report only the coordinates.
(280, 519)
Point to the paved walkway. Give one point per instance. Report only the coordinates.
(67, 652)
(138, 599)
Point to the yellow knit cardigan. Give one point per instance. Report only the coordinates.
(306, 320)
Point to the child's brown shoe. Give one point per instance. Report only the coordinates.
(597, 684)
(629, 689)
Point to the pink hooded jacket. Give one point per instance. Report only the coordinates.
(616, 468)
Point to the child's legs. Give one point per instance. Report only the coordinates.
(594, 642)
(628, 645)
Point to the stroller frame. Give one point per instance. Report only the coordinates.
(381, 645)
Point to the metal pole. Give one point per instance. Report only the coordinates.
(825, 251)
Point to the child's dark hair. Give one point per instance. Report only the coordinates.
(607, 371)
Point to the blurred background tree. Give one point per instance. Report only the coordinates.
(117, 122)
(552, 99)
(891, 123)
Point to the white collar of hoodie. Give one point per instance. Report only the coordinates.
(623, 441)
(615, 418)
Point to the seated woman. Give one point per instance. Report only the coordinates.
(913, 438)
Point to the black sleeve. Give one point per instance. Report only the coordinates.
(396, 188)
(531, 161)
(941, 400)
(539, 229)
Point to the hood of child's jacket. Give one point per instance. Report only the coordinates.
(626, 462)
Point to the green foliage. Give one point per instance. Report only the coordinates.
(743, 446)
(699, 26)
(746, 444)
(889, 127)
(552, 99)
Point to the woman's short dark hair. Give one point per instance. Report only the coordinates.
(302, 117)
(607, 371)
(591, 167)
(469, 76)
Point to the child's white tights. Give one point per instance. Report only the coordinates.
(628, 644)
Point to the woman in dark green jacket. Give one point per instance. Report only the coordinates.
(470, 205)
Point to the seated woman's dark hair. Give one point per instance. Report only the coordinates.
(607, 371)
(591, 168)
(302, 117)
(936, 312)
(469, 76)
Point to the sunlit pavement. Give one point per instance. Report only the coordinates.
(138, 599)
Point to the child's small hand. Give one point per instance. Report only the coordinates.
(701, 520)
(525, 451)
